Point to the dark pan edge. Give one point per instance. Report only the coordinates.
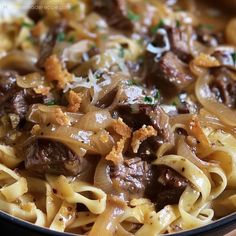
(223, 225)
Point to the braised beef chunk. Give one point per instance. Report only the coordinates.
(179, 43)
(49, 42)
(132, 177)
(167, 186)
(208, 37)
(14, 99)
(137, 115)
(115, 11)
(45, 156)
(223, 87)
(7, 85)
(225, 57)
(177, 40)
(169, 74)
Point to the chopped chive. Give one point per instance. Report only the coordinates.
(159, 25)
(30, 39)
(27, 25)
(178, 24)
(233, 55)
(50, 103)
(133, 16)
(121, 52)
(133, 82)
(60, 37)
(71, 39)
(174, 104)
(74, 7)
(206, 26)
(148, 99)
(157, 95)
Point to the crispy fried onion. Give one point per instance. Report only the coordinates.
(140, 135)
(74, 100)
(121, 128)
(116, 155)
(55, 72)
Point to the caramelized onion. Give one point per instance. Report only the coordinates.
(19, 61)
(102, 178)
(94, 120)
(203, 93)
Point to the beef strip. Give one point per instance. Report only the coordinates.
(49, 42)
(14, 99)
(132, 177)
(178, 41)
(225, 58)
(208, 37)
(167, 186)
(7, 85)
(46, 156)
(169, 74)
(137, 115)
(223, 87)
(115, 12)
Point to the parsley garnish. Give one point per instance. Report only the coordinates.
(61, 37)
(149, 99)
(157, 95)
(178, 24)
(71, 39)
(133, 82)
(50, 103)
(133, 16)
(206, 26)
(159, 25)
(121, 52)
(74, 7)
(233, 55)
(26, 24)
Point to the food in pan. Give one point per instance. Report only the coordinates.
(118, 117)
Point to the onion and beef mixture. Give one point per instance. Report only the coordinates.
(117, 117)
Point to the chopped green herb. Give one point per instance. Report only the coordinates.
(133, 82)
(149, 99)
(159, 25)
(157, 95)
(74, 7)
(233, 55)
(133, 16)
(71, 39)
(61, 37)
(50, 103)
(26, 24)
(174, 104)
(121, 52)
(30, 39)
(178, 24)
(104, 37)
(206, 26)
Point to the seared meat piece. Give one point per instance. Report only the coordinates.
(167, 186)
(132, 177)
(115, 12)
(208, 37)
(178, 42)
(225, 58)
(7, 85)
(49, 42)
(137, 115)
(169, 74)
(224, 87)
(45, 156)
(14, 99)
